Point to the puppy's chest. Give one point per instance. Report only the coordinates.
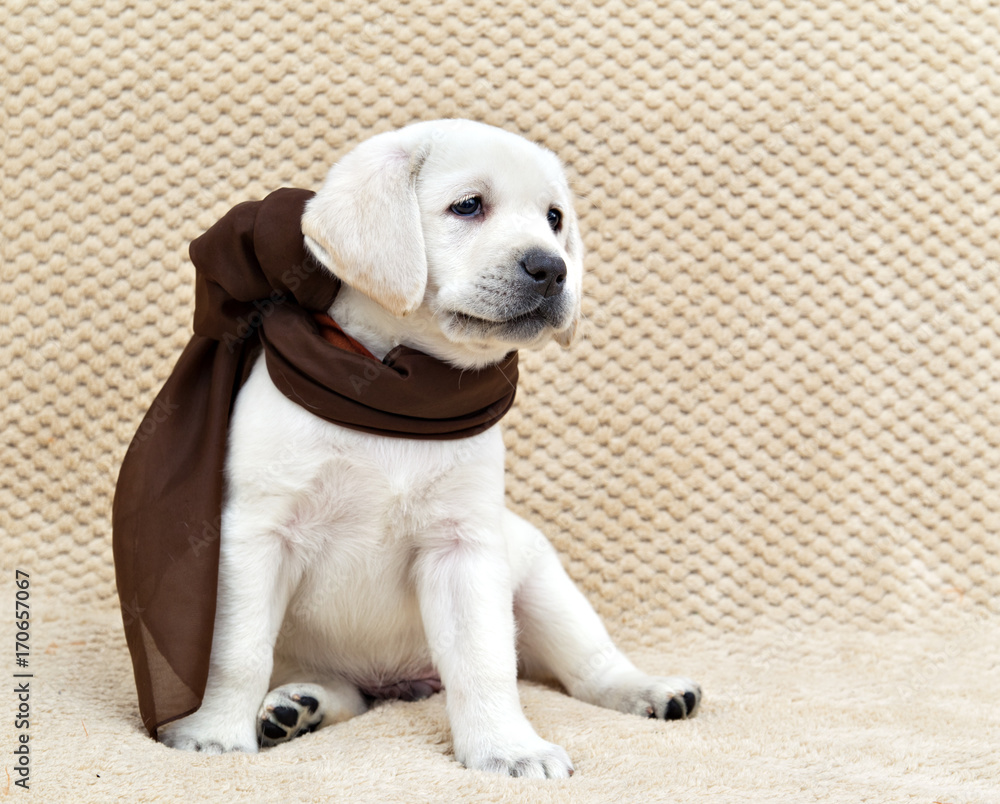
(386, 496)
(377, 503)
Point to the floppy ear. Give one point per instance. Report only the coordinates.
(364, 223)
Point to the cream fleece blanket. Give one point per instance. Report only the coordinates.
(771, 460)
(793, 714)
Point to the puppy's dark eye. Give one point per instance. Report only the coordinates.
(467, 207)
(555, 219)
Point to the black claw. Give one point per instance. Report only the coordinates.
(309, 702)
(690, 701)
(285, 715)
(273, 731)
(675, 710)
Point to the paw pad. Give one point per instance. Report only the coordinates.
(285, 716)
(659, 698)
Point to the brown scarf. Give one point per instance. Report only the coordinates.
(257, 287)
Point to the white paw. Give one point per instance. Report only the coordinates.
(288, 712)
(674, 698)
(200, 732)
(530, 757)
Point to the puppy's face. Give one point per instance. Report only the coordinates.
(458, 227)
(501, 240)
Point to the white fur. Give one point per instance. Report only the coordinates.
(350, 561)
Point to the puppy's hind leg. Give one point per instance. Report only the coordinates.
(561, 635)
(255, 583)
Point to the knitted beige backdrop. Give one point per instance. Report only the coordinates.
(783, 407)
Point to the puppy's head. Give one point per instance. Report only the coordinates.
(467, 225)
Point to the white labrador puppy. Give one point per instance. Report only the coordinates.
(356, 567)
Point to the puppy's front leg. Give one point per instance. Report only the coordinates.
(254, 587)
(466, 604)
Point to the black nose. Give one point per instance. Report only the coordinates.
(547, 270)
